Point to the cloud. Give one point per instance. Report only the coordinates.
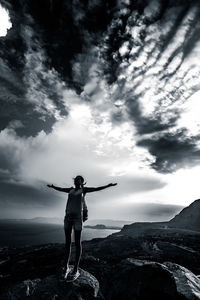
(150, 212)
(23, 199)
(28, 164)
(151, 51)
(172, 151)
(22, 194)
(5, 23)
(108, 90)
(30, 95)
(134, 65)
(140, 183)
(50, 47)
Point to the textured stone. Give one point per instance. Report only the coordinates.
(55, 287)
(142, 279)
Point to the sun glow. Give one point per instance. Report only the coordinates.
(5, 23)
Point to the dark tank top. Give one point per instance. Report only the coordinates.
(75, 202)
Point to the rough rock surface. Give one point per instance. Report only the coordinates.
(187, 283)
(181, 249)
(140, 279)
(117, 268)
(143, 261)
(55, 287)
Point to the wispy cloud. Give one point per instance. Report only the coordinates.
(151, 52)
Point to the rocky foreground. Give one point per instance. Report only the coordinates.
(117, 267)
(142, 261)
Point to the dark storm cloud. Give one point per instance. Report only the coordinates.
(172, 151)
(144, 124)
(39, 55)
(20, 199)
(24, 194)
(143, 47)
(16, 83)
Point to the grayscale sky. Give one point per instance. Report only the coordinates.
(106, 89)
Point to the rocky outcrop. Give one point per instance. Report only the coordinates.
(144, 260)
(140, 279)
(180, 249)
(187, 284)
(128, 279)
(117, 268)
(55, 287)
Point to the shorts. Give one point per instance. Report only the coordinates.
(73, 221)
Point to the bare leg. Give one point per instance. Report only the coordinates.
(77, 234)
(68, 232)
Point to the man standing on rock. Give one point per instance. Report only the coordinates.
(75, 215)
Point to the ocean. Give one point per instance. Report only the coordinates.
(18, 234)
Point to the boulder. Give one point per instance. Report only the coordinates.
(187, 283)
(55, 287)
(142, 279)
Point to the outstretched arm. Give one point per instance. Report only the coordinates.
(99, 188)
(65, 190)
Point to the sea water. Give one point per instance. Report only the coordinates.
(18, 234)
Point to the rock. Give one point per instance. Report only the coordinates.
(183, 250)
(35, 269)
(141, 279)
(186, 282)
(29, 263)
(55, 287)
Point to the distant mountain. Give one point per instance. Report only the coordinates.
(188, 218)
(102, 227)
(108, 222)
(40, 220)
(47, 220)
(44, 220)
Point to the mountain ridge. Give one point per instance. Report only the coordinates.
(187, 219)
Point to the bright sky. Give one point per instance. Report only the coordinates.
(5, 23)
(105, 153)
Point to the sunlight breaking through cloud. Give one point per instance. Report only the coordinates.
(5, 23)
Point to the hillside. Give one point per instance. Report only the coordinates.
(188, 218)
